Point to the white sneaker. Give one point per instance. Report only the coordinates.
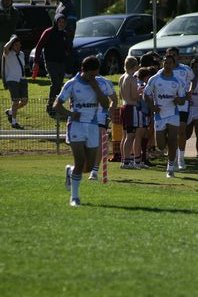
(143, 165)
(93, 176)
(181, 164)
(137, 166)
(75, 202)
(68, 172)
(170, 174)
(127, 166)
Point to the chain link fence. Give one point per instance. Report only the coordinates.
(41, 133)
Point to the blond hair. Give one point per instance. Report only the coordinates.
(130, 62)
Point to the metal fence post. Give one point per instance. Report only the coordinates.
(58, 133)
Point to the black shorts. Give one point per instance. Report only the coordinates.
(183, 116)
(18, 90)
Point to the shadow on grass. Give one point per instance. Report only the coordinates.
(39, 81)
(141, 182)
(137, 208)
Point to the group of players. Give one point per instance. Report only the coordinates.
(166, 98)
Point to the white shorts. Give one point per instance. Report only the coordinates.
(86, 132)
(193, 114)
(173, 120)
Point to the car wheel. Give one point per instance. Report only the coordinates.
(112, 64)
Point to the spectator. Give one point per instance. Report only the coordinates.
(86, 91)
(164, 92)
(56, 45)
(8, 21)
(68, 8)
(15, 79)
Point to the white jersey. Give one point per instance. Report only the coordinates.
(163, 91)
(193, 111)
(83, 97)
(13, 70)
(194, 97)
(186, 75)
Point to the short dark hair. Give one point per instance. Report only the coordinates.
(146, 60)
(154, 54)
(143, 72)
(90, 63)
(152, 70)
(173, 49)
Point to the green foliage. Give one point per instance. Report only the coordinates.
(135, 236)
(117, 7)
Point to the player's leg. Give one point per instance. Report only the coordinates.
(172, 148)
(95, 168)
(189, 130)
(79, 155)
(196, 133)
(182, 139)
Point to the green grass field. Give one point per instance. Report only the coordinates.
(135, 236)
(32, 117)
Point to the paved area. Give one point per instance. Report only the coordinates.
(191, 147)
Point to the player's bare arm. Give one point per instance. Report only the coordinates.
(59, 108)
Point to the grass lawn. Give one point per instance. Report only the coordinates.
(33, 117)
(135, 236)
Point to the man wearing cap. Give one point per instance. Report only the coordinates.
(14, 77)
(55, 43)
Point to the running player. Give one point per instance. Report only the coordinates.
(86, 91)
(185, 74)
(163, 93)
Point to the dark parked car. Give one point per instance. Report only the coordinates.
(181, 32)
(109, 38)
(33, 20)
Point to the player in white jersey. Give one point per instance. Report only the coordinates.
(103, 117)
(85, 91)
(186, 75)
(163, 93)
(193, 112)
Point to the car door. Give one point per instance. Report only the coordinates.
(136, 29)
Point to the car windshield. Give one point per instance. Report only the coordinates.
(98, 27)
(180, 26)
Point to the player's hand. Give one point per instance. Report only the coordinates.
(75, 115)
(178, 101)
(156, 109)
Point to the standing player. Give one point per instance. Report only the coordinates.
(86, 91)
(193, 112)
(128, 91)
(185, 74)
(163, 93)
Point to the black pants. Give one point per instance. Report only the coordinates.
(56, 73)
